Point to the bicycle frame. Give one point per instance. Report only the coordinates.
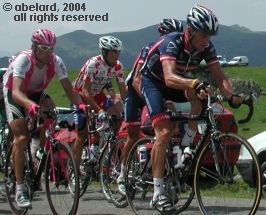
(48, 146)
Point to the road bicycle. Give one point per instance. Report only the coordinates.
(59, 165)
(211, 174)
(93, 165)
(4, 146)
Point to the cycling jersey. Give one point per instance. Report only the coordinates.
(174, 46)
(36, 80)
(96, 71)
(140, 60)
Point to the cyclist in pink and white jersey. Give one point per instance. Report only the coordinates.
(94, 75)
(27, 77)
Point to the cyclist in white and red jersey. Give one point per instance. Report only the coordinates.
(26, 78)
(164, 77)
(94, 75)
(134, 104)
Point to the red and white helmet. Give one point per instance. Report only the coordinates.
(110, 43)
(44, 37)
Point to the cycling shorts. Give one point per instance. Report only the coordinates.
(155, 93)
(133, 107)
(14, 110)
(101, 99)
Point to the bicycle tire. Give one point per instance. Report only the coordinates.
(113, 171)
(10, 185)
(85, 171)
(57, 188)
(3, 154)
(263, 169)
(139, 188)
(235, 195)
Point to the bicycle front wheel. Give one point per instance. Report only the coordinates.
(113, 170)
(228, 191)
(59, 177)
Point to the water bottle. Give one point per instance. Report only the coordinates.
(142, 153)
(39, 154)
(177, 156)
(35, 145)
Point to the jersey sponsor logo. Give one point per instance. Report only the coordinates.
(160, 118)
(152, 60)
(25, 64)
(63, 68)
(171, 45)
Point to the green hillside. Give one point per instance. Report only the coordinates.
(256, 125)
(78, 46)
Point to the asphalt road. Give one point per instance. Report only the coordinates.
(94, 203)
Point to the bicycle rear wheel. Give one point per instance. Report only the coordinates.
(59, 177)
(234, 194)
(10, 185)
(113, 169)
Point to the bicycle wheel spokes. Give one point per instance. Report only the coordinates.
(113, 169)
(139, 181)
(231, 193)
(10, 185)
(58, 186)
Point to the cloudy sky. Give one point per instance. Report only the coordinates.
(18, 22)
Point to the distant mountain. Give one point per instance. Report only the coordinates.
(77, 47)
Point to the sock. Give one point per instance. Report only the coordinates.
(20, 187)
(158, 187)
(122, 174)
(188, 137)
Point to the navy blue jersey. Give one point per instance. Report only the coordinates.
(174, 46)
(140, 60)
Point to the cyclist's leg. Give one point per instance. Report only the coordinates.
(46, 103)
(133, 105)
(82, 134)
(19, 128)
(153, 94)
(192, 125)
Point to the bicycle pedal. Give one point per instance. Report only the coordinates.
(26, 208)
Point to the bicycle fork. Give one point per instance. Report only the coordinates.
(217, 146)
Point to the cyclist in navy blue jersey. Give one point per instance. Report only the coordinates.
(133, 103)
(164, 77)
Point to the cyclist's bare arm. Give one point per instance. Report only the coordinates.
(136, 78)
(173, 80)
(17, 93)
(71, 94)
(122, 90)
(223, 83)
(86, 88)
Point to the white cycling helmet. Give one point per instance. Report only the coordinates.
(203, 19)
(110, 43)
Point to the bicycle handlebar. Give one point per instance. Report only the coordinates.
(248, 102)
(212, 99)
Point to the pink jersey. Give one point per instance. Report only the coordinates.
(96, 71)
(35, 80)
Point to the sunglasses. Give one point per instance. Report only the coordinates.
(46, 48)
